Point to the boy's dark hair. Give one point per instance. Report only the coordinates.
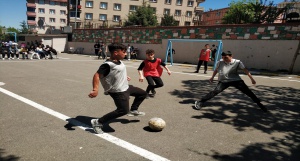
(150, 51)
(116, 46)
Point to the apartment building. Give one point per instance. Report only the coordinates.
(113, 12)
(45, 16)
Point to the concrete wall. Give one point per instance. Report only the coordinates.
(58, 42)
(273, 55)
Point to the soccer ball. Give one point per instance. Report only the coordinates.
(157, 124)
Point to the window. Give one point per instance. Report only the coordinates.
(41, 2)
(187, 23)
(168, 1)
(52, 12)
(62, 20)
(103, 5)
(89, 4)
(188, 13)
(63, 12)
(178, 2)
(52, 3)
(51, 20)
(218, 13)
(88, 16)
(153, 1)
(177, 12)
(190, 3)
(63, 4)
(41, 10)
(52, 27)
(116, 18)
(132, 8)
(42, 18)
(177, 23)
(102, 17)
(117, 6)
(167, 11)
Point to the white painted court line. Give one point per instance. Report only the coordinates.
(126, 145)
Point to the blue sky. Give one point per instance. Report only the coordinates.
(13, 12)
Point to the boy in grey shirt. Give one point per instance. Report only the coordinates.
(228, 76)
(114, 80)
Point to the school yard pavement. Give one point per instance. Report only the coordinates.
(45, 114)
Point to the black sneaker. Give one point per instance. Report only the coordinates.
(262, 107)
(196, 72)
(153, 91)
(198, 105)
(97, 126)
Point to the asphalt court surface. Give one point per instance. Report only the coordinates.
(45, 114)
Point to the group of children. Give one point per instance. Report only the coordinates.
(38, 51)
(113, 77)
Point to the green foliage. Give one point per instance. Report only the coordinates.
(168, 20)
(24, 28)
(143, 16)
(239, 13)
(252, 11)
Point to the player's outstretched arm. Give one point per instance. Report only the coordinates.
(213, 75)
(96, 79)
(249, 75)
(167, 69)
(141, 78)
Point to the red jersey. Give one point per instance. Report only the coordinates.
(152, 69)
(205, 54)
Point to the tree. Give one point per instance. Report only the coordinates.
(143, 16)
(252, 11)
(168, 20)
(5, 36)
(239, 13)
(24, 28)
(265, 13)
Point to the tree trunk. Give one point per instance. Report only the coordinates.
(294, 59)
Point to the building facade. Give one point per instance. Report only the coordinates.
(46, 16)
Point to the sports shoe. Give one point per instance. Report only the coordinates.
(198, 105)
(262, 107)
(97, 126)
(153, 91)
(135, 113)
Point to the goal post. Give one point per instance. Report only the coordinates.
(170, 47)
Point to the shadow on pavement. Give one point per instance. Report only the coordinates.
(8, 157)
(284, 117)
(85, 121)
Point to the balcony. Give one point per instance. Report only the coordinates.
(199, 9)
(196, 18)
(31, 14)
(31, 5)
(200, 1)
(31, 22)
(59, 0)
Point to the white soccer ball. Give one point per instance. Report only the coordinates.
(157, 124)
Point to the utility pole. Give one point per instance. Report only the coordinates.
(76, 13)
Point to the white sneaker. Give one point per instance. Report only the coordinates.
(3, 59)
(135, 113)
(97, 126)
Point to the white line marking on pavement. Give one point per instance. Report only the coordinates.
(126, 145)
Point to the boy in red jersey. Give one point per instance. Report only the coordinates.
(151, 69)
(205, 56)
